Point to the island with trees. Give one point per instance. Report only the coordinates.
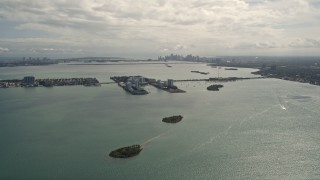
(126, 152)
(172, 119)
(214, 87)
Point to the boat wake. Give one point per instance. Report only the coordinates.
(148, 141)
(206, 142)
(281, 103)
(257, 114)
(280, 100)
(226, 132)
(283, 107)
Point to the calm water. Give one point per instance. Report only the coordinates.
(254, 129)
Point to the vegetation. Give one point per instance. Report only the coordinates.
(302, 74)
(214, 87)
(126, 152)
(172, 119)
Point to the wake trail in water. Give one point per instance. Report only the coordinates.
(226, 132)
(281, 103)
(280, 100)
(283, 107)
(257, 114)
(148, 141)
(206, 143)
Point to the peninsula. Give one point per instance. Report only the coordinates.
(126, 152)
(165, 85)
(31, 81)
(134, 84)
(131, 84)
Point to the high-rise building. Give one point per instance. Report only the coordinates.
(170, 83)
(129, 85)
(141, 80)
(159, 84)
(28, 80)
(137, 84)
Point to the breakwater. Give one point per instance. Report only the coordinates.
(220, 79)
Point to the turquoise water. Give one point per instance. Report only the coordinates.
(254, 129)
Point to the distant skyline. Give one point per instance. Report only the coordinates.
(152, 28)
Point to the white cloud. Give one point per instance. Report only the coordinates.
(154, 26)
(257, 45)
(3, 50)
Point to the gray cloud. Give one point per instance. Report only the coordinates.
(178, 48)
(257, 45)
(305, 43)
(147, 27)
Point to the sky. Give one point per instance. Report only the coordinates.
(152, 28)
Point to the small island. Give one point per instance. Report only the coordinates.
(205, 73)
(126, 152)
(214, 87)
(172, 119)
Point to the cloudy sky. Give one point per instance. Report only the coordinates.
(149, 28)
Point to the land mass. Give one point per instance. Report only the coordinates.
(49, 82)
(214, 87)
(126, 152)
(232, 69)
(298, 68)
(131, 84)
(172, 119)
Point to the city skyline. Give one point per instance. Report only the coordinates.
(148, 29)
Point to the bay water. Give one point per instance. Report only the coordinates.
(250, 129)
